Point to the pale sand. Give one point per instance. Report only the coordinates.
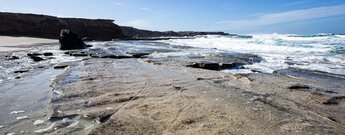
(8, 43)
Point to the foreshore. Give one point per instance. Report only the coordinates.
(135, 93)
(9, 43)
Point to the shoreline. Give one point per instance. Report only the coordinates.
(10, 43)
(102, 94)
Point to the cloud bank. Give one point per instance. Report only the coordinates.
(283, 17)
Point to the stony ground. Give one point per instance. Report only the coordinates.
(114, 91)
(133, 96)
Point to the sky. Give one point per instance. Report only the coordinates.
(233, 16)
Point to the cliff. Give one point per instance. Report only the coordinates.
(44, 26)
(16, 24)
(137, 33)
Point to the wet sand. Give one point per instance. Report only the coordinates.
(8, 43)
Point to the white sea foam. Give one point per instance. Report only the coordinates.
(319, 52)
(45, 129)
(16, 112)
(37, 122)
(22, 117)
(73, 124)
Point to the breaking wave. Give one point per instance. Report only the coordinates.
(321, 52)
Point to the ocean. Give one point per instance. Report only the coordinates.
(321, 52)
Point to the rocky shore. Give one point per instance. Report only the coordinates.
(148, 87)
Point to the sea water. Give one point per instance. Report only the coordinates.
(321, 52)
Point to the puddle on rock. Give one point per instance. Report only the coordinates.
(24, 101)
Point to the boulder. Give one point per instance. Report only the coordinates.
(36, 58)
(48, 54)
(70, 41)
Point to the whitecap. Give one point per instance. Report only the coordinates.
(278, 50)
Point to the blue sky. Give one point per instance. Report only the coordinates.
(233, 16)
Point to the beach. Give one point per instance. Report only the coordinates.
(162, 87)
(8, 43)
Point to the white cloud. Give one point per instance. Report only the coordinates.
(131, 6)
(284, 17)
(298, 3)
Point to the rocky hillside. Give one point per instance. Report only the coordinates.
(16, 24)
(32, 25)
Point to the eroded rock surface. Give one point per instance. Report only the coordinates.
(142, 98)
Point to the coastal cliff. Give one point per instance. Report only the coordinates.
(44, 26)
(134, 32)
(17, 24)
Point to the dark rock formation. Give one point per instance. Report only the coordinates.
(138, 54)
(33, 54)
(32, 25)
(299, 86)
(16, 24)
(214, 65)
(70, 41)
(206, 65)
(21, 71)
(12, 57)
(131, 32)
(117, 56)
(36, 58)
(48, 54)
(139, 33)
(60, 66)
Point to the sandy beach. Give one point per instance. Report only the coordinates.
(9, 43)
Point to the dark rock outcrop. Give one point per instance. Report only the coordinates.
(131, 32)
(48, 54)
(69, 41)
(33, 54)
(17, 24)
(36, 58)
(213, 65)
(21, 71)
